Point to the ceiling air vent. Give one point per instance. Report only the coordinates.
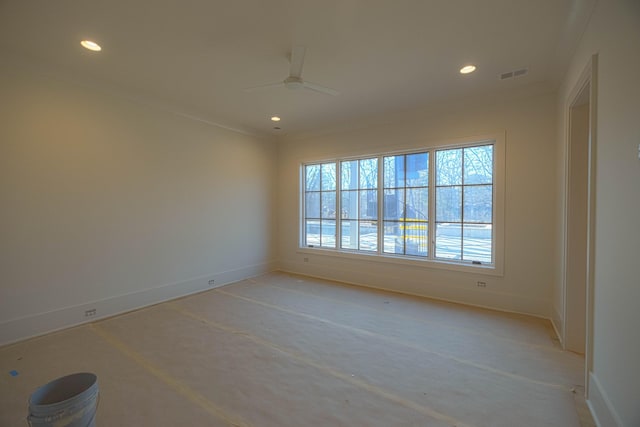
(515, 73)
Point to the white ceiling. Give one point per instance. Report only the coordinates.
(383, 56)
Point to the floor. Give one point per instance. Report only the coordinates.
(284, 350)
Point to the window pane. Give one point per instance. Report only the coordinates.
(416, 238)
(369, 173)
(312, 177)
(449, 204)
(328, 231)
(312, 232)
(328, 176)
(418, 170)
(393, 204)
(393, 238)
(368, 204)
(312, 205)
(449, 167)
(349, 232)
(478, 165)
(349, 205)
(477, 243)
(349, 175)
(368, 236)
(478, 200)
(449, 241)
(328, 204)
(417, 204)
(394, 171)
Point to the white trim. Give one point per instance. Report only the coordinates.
(600, 406)
(591, 220)
(415, 147)
(38, 324)
(556, 322)
(588, 78)
(498, 221)
(438, 264)
(501, 301)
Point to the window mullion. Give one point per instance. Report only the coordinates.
(404, 204)
(302, 206)
(380, 191)
(358, 204)
(338, 226)
(432, 205)
(462, 207)
(320, 180)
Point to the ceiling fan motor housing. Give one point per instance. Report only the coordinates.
(293, 82)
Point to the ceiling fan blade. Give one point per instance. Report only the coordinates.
(297, 61)
(262, 87)
(321, 89)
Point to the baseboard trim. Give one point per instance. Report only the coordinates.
(600, 406)
(19, 329)
(501, 302)
(556, 322)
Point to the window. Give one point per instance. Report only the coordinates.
(406, 204)
(359, 204)
(440, 205)
(464, 204)
(320, 205)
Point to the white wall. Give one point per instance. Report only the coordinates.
(112, 204)
(528, 118)
(614, 34)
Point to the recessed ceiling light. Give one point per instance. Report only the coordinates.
(467, 69)
(275, 119)
(88, 44)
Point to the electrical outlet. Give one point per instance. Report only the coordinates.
(211, 282)
(90, 313)
(306, 259)
(481, 284)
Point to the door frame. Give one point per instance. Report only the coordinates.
(587, 80)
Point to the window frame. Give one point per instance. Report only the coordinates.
(498, 205)
(403, 222)
(360, 189)
(463, 186)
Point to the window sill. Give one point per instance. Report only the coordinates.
(487, 269)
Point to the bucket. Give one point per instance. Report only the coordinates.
(70, 401)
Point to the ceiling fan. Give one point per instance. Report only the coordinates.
(295, 81)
